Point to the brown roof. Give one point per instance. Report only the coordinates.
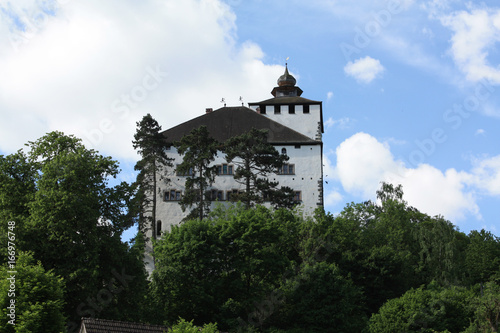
(228, 122)
(286, 100)
(93, 325)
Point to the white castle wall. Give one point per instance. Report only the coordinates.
(304, 123)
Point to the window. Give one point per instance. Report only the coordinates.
(230, 194)
(287, 169)
(297, 146)
(297, 196)
(216, 195)
(306, 109)
(172, 195)
(158, 228)
(277, 109)
(262, 109)
(183, 174)
(224, 169)
(283, 151)
(291, 109)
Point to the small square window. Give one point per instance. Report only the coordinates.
(306, 109)
(297, 196)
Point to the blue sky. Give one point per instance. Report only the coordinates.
(410, 89)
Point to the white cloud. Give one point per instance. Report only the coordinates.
(480, 131)
(341, 123)
(329, 95)
(475, 33)
(364, 70)
(363, 162)
(486, 175)
(333, 198)
(74, 72)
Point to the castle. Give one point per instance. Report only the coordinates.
(295, 128)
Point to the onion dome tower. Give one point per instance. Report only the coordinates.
(286, 86)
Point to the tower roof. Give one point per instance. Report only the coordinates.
(286, 79)
(286, 86)
(228, 122)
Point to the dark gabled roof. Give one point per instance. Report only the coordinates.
(228, 122)
(93, 325)
(286, 100)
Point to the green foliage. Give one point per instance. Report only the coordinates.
(320, 298)
(17, 189)
(482, 256)
(431, 309)
(152, 147)
(184, 326)
(38, 297)
(199, 150)
(256, 159)
(215, 269)
(72, 220)
(487, 310)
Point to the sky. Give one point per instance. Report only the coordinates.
(410, 89)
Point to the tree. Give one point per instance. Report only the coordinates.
(255, 158)
(221, 268)
(152, 147)
(35, 295)
(387, 247)
(199, 150)
(487, 310)
(188, 327)
(482, 256)
(17, 189)
(320, 298)
(431, 309)
(72, 221)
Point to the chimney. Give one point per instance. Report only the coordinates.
(208, 110)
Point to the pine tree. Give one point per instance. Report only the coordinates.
(199, 150)
(152, 147)
(256, 158)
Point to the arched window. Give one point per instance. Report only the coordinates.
(283, 151)
(158, 228)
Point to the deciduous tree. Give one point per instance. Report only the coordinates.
(31, 299)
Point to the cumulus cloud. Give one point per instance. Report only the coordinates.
(475, 34)
(364, 70)
(363, 162)
(486, 175)
(93, 69)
